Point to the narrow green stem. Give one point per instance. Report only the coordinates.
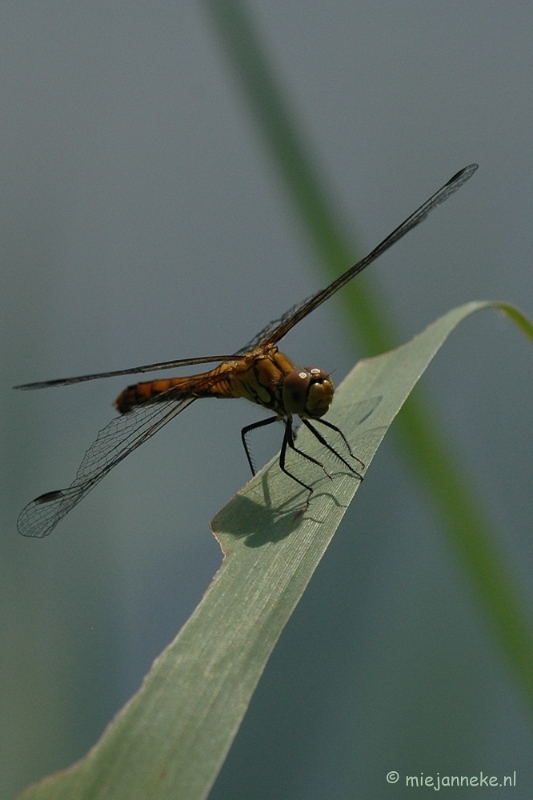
(439, 471)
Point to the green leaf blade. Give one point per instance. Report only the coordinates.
(171, 739)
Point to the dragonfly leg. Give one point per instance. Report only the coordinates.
(288, 441)
(343, 437)
(246, 430)
(289, 433)
(331, 449)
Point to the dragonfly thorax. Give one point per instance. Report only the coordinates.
(307, 392)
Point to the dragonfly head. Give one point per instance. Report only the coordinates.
(307, 392)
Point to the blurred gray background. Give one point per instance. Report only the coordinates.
(143, 220)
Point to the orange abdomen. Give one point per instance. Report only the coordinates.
(256, 376)
(215, 383)
(140, 393)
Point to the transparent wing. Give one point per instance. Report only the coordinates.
(114, 442)
(276, 330)
(182, 362)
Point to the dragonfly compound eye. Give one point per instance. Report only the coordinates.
(295, 389)
(307, 392)
(319, 393)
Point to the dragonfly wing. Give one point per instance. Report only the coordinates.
(182, 362)
(114, 442)
(275, 331)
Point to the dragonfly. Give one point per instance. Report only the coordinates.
(258, 372)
